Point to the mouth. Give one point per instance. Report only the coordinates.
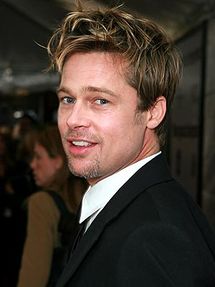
(80, 146)
(81, 143)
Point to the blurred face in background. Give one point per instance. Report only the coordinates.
(44, 167)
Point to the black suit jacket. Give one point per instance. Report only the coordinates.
(151, 233)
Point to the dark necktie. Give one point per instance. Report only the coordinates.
(80, 228)
(79, 234)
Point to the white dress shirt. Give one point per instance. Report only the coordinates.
(98, 195)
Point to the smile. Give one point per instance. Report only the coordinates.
(81, 143)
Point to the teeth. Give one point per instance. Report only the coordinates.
(81, 143)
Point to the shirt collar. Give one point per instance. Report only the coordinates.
(97, 196)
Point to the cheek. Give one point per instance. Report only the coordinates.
(60, 122)
(61, 118)
(51, 173)
(48, 173)
(46, 166)
(121, 126)
(127, 132)
(110, 130)
(115, 134)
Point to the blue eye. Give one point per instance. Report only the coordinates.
(102, 101)
(68, 100)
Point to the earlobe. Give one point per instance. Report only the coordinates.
(157, 113)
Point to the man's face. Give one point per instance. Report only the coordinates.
(101, 129)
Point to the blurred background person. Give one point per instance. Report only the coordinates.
(52, 175)
(23, 138)
(9, 206)
(15, 187)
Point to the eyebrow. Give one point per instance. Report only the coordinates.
(100, 90)
(88, 89)
(62, 89)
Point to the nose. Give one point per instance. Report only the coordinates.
(79, 117)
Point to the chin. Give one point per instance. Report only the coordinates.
(91, 169)
(76, 172)
(39, 183)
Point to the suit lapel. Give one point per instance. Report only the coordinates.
(152, 173)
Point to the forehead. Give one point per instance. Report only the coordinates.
(95, 60)
(95, 68)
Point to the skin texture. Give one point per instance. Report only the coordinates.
(102, 130)
(43, 166)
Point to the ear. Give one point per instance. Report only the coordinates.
(156, 113)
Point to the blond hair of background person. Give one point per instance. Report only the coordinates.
(51, 174)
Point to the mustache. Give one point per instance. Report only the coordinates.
(81, 134)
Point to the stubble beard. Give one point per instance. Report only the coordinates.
(87, 172)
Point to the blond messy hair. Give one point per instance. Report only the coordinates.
(153, 63)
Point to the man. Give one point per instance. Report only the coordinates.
(118, 79)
